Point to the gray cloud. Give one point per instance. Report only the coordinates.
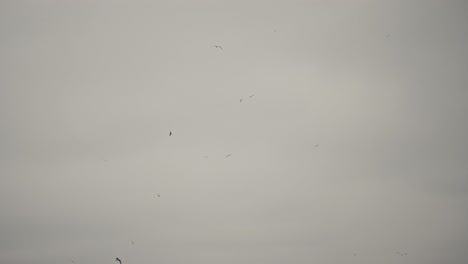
(89, 92)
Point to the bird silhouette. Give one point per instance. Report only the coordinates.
(252, 96)
(170, 133)
(228, 155)
(218, 47)
(240, 101)
(133, 242)
(159, 195)
(117, 259)
(316, 146)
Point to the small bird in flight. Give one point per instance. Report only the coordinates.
(117, 259)
(228, 155)
(133, 242)
(218, 47)
(240, 101)
(159, 195)
(316, 146)
(170, 133)
(252, 96)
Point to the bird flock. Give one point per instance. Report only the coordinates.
(117, 259)
(226, 156)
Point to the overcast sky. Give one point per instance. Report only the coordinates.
(89, 91)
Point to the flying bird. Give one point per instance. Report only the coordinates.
(228, 155)
(170, 133)
(133, 242)
(316, 146)
(240, 101)
(218, 47)
(252, 96)
(117, 259)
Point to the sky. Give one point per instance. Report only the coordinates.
(89, 91)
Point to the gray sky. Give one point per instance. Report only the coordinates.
(89, 91)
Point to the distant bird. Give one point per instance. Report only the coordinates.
(218, 47)
(316, 146)
(240, 101)
(159, 195)
(133, 242)
(228, 155)
(252, 96)
(117, 259)
(170, 133)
